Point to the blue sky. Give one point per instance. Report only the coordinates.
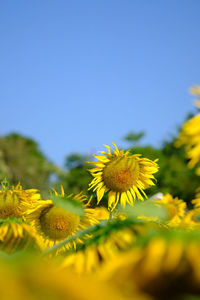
(75, 75)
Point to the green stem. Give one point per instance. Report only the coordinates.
(74, 237)
(111, 215)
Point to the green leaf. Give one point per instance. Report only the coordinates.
(11, 220)
(5, 184)
(147, 209)
(191, 297)
(70, 204)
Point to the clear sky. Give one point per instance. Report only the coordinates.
(77, 74)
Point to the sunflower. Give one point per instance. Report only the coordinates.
(189, 136)
(123, 175)
(99, 213)
(190, 133)
(195, 91)
(32, 278)
(92, 257)
(55, 224)
(14, 232)
(196, 201)
(176, 209)
(166, 267)
(16, 235)
(190, 221)
(14, 202)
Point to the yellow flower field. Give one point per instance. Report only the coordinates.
(118, 243)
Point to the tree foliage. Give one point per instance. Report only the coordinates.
(22, 161)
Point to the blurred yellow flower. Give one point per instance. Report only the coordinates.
(92, 257)
(166, 265)
(190, 137)
(16, 235)
(100, 213)
(196, 201)
(123, 175)
(176, 208)
(195, 91)
(34, 279)
(14, 202)
(190, 220)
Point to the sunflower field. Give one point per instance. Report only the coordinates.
(113, 240)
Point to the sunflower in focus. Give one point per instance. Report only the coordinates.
(55, 224)
(123, 176)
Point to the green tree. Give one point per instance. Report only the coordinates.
(22, 161)
(134, 138)
(173, 176)
(76, 176)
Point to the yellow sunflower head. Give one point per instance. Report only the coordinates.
(99, 213)
(123, 175)
(196, 201)
(168, 264)
(176, 209)
(189, 137)
(16, 235)
(33, 278)
(190, 220)
(55, 223)
(90, 258)
(195, 91)
(15, 201)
